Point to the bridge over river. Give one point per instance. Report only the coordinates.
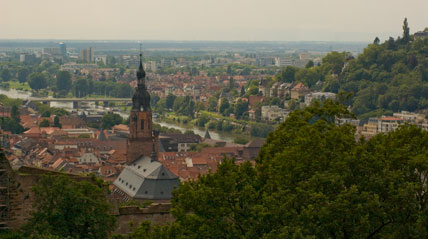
(76, 101)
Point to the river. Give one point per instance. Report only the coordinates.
(25, 95)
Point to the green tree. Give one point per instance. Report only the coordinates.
(231, 83)
(242, 91)
(63, 81)
(44, 123)
(23, 74)
(406, 31)
(110, 120)
(37, 81)
(6, 75)
(312, 179)
(170, 98)
(376, 41)
(14, 114)
(56, 122)
(212, 104)
(224, 106)
(240, 108)
(309, 64)
(229, 70)
(9, 124)
(81, 88)
(67, 208)
(288, 74)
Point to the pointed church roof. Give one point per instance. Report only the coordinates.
(102, 136)
(161, 148)
(207, 135)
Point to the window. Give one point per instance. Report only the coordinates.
(144, 170)
(142, 124)
(146, 192)
(134, 189)
(139, 166)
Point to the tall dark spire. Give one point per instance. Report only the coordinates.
(141, 98)
(141, 74)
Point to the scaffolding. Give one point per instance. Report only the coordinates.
(4, 193)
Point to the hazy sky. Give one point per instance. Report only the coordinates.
(254, 20)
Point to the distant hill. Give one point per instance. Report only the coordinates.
(387, 77)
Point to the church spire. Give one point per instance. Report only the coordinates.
(141, 98)
(141, 74)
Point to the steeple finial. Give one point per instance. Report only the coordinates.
(141, 55)
(141, 73)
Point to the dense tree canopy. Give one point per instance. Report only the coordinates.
(312, 180)
(37, 81)
(66, 208)
(385, 78)
(110, 120)
(63, 81)
(9, 124)
(23, 74)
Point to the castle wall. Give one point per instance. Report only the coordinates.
(130, 217)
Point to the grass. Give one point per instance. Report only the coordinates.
(18, 86)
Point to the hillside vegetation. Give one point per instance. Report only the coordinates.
(385, 78)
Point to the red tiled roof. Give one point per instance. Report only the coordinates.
(389, 118)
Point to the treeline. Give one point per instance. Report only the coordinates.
(11, 123)
(48, 76)
(387, 77)
(312, 179)
(83, 87)
(253, 129)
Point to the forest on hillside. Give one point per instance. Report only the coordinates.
(387, 77)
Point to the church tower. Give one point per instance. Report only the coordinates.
(141, 137)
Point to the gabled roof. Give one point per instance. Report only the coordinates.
(255, 143)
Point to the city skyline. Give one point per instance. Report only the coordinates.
(221, 20)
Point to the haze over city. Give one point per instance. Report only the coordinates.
(126, 119)
(249, 20)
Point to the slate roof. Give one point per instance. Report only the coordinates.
(147, 179)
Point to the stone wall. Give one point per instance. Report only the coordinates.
(130, 217)
(21, 193)
(22, 198)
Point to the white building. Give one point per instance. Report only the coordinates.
(273, 112)
(410, 117)
(321, 96)
(88, 158)
(281, 62)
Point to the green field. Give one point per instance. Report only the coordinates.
(19, 86)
